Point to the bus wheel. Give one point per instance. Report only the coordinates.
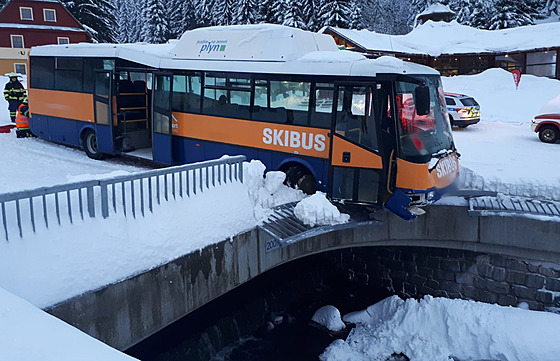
(548, 134)
(300, 178)
(89, 142)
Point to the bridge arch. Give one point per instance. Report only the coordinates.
(479, 252)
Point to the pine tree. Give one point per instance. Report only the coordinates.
(278, 10)
(98, 16)
(294, 16)
(463, 10)
(510, 15)
(481, 14)
(552, 7)
(155, 29)
(174, 17)
(308, 14)
(188, 15)
(223, 12)
(247, 12)
(266, 13)
(204, 12)
(127, 21)
(356, 19)
(335, 13)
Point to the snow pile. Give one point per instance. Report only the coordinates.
(317, 210)
(437, 329)
(329, 316)
(495, 91)
(552, 106)
(267, 190)
(29, 334)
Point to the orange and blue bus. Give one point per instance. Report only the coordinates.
(364, 131)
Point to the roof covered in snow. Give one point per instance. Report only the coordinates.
(440, 38)
(437, 8)
(270, 49)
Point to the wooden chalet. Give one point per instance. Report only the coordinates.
(455, 49)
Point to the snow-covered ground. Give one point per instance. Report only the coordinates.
(500, 153)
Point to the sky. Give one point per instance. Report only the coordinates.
(499, 153)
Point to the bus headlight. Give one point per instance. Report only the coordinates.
(430, 195)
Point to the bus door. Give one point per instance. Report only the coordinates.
(360, 157)
(162, 118)
(103, 107)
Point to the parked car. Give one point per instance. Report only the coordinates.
(463, 110)
(548, 127)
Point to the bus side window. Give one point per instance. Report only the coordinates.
(186, 93)
(285, 102)
(321, 115)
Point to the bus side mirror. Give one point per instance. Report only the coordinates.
(422, 100)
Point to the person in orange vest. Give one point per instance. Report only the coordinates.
(22, 121)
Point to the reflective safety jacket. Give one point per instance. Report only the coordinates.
(22, 122)
(15, 91)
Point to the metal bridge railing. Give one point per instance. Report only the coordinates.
(130, 195)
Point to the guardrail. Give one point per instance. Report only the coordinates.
(27, 211)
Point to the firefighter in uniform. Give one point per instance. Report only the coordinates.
(22, 121)
(15, 94)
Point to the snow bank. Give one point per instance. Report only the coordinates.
(317, 210)
(267, 190)
(435, 329)
(29, 334)
(495, 91)
(552, 106)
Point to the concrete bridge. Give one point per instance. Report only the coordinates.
(447, 252)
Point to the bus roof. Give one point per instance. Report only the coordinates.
(262, 48)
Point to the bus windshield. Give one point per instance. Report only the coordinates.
(422, 136)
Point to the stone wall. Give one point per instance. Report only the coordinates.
(416, 271)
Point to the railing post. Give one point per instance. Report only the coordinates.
(90, 201)
(104, 201)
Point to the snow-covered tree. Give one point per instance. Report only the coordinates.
(356, 19)
(335, 13)
(552, 7)
(463, 10)
(155, 29)
(224, 12)
(510, 14)
(174, 12)
(308, 14)
(98, 16)
(247, 12)
(204, 13)
(266, 13)
(294, 16)
(278, 11)
(128, 19)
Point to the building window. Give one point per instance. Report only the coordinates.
(26, 13)
(20, 68)
(17, 41)
(62, 41)
(49, 15)
(542, 63)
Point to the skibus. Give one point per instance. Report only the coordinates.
(365, 131)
